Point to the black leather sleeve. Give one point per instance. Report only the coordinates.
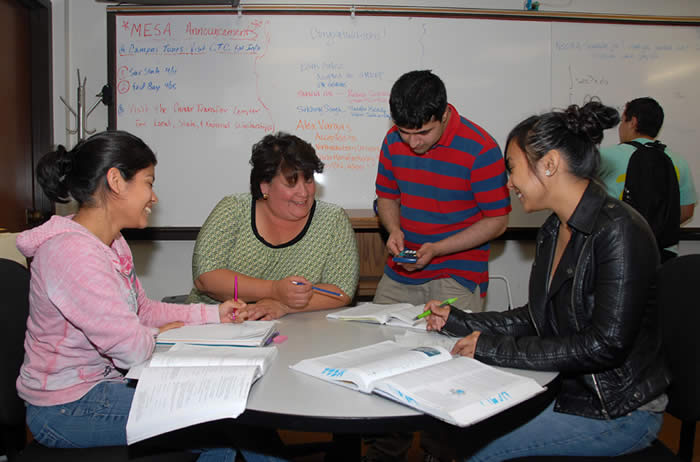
(514, 322)
(610, 301)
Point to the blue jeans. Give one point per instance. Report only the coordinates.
(554, 433)
(99, 419)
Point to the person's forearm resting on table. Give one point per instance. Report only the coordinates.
(219, 285)
(321, 301)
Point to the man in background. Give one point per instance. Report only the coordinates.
(641, 121)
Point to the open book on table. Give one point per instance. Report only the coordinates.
(362, 367)
(428, 338)
(397, 314)
(460, 391)
(191, 384)
(247, 333)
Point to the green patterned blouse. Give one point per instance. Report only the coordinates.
(324, 252)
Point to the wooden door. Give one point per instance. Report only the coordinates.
(16, 187)
(25, 110)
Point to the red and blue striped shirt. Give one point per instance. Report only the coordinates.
(456, 183)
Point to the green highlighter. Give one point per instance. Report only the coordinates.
(449, 301)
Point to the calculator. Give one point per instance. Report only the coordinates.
(406, 256)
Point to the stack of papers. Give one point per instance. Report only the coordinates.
(248, 333)
(185, 355)
(191, 384)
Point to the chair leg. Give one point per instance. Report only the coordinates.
(685, 448)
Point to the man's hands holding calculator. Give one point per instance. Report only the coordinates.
(406, 256)
(412, 260)
(408, 259)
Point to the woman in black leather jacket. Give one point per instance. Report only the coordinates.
(591, 314)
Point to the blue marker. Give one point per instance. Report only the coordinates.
(325, 291)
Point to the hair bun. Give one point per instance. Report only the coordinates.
(572, 118)
(53, 172)
(591, 119)
(64, 161)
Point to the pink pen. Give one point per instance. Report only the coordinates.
(235, 296)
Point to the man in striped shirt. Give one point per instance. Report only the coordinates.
(441, 188)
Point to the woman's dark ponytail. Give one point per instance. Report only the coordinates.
(80, 172)
(52, 171)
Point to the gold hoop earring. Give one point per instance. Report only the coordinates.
(265, 196)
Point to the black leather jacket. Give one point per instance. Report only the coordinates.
(596, 323)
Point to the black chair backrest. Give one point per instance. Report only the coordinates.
(679, 314)
(14, 309)
(14, 287)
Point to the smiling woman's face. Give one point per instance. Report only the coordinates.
(522, 179)
(290, 200)
(139, 198)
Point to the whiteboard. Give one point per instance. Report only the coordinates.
(621, 62)
(201, 89)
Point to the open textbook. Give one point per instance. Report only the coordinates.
(184, 354)
(362, 367)
(397, 314)
(460, 391)
(247, 333)
(430, 338)
(191, 384)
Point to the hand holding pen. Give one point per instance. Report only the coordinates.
(437, 313)
(293, 291)
(238, 314)
(228, 310)
(320, 290)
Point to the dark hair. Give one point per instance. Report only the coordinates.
(283, 153)
(78, 173)
(575, 132)
(649, 114)
(416, 98)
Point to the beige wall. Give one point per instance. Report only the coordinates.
(9, 250)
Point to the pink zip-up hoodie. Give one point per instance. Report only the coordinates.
(88, 313)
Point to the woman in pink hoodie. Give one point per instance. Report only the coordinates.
(89, 317)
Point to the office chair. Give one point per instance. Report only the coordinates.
(679, 316)
(14, 287)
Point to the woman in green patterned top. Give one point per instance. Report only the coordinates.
(277, 240)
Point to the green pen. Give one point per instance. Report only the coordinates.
(449, 301)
